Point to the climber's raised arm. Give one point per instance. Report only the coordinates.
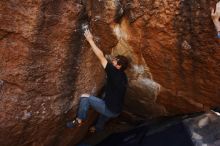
(216, 18)
(95, 49)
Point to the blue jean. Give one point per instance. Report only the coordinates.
(98, 105)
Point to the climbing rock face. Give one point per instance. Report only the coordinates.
(175, 56)
(46, 63)
(41, 51)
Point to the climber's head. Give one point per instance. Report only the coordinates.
(120, 62)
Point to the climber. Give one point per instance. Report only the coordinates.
(115, 89)
(216, 18)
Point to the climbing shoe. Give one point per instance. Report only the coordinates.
(73, 124)
(92, 129)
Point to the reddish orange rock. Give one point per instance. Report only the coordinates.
(46, 64)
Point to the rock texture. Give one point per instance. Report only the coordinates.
(46, 63)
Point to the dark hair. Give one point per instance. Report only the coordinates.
(123, 61)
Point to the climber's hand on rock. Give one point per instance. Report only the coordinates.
(88, 35)
(216, 16)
